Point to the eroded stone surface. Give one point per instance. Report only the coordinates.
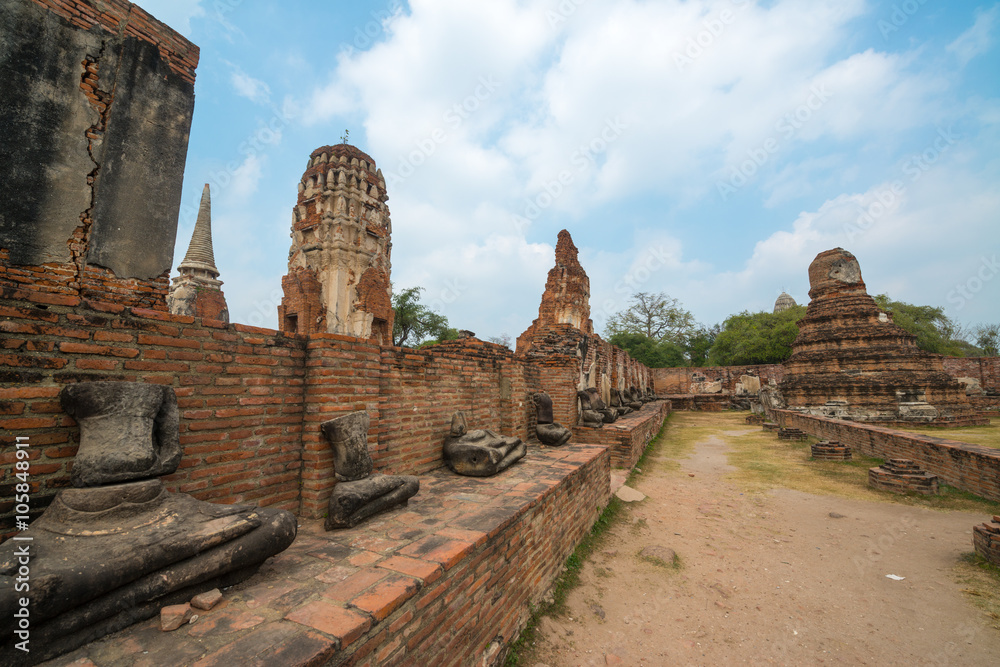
(128, 431)
(354, 501)
(348, 436)
(549, 432)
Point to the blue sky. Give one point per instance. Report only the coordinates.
(708, 149)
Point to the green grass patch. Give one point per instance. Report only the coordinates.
(764, 462)
(987, 436)
(520, 650)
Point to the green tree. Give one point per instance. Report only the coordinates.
(656, 316)
(654, 354)
(935, 331)
(987, 339)
(698, 344)
(415, 322)
(756, 338)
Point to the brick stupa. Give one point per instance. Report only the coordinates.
(339, 262)
(566, 299)
(197, 290)
(851, 361)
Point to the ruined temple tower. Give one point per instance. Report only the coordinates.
(196, 291)
(339, 262)
(566, 299)
(851, 361)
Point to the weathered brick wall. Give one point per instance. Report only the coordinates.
(678, 380)
(252, 400)
(627, 438)
(489, 593)
(239, 391)
(421, 389)
(114, 16)
(968, 467)
(341, 375)
(984, 369)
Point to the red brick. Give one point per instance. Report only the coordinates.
(344, 624)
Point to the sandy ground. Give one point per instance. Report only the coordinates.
(784, 578)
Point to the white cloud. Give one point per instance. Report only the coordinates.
(978, 39)
(246, 86)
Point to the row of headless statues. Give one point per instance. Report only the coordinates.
(118, 546)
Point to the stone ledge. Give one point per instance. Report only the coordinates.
(629, 435)
(445, 575)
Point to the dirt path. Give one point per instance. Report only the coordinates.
(784, 578)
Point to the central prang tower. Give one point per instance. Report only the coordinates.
(339, 262)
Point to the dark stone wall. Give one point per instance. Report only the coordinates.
(96, 113)
(137, 193)
(44, 120)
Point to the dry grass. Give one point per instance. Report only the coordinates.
(987, 436)
(981, 584)
(764, 462)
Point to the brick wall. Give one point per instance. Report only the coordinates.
(968, 467)
(252, 400)
(627, 438)
(239, 391)
(678, 380)
(984, 369)
(489, 593)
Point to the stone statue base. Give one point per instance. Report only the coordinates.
(353, 502)
(553, 435)
(103, 558)
(479, 453)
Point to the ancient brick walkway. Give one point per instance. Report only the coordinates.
(465, 553)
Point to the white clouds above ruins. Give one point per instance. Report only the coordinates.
(732, 139)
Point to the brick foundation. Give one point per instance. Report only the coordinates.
(830, 450)
(968, 467)
(986, 540)
(902, 476)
